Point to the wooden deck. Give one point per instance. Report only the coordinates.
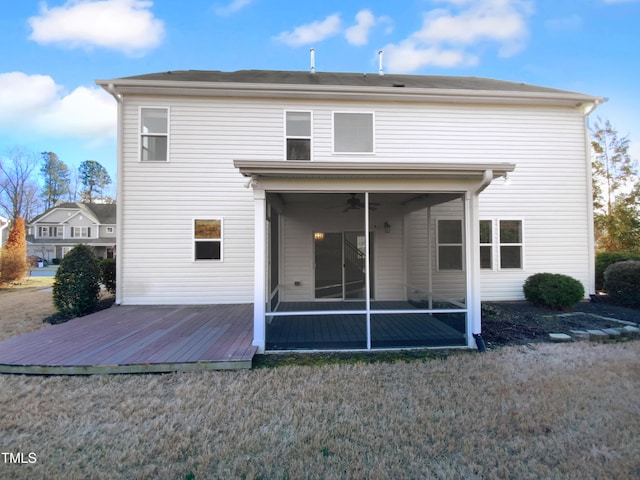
(137, 339)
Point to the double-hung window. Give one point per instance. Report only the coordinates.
(511, 244)
(298, 135)
(207, 236)
(486, 244)
(154, 134)
(353, 132)
(80, 232)
(449, 233)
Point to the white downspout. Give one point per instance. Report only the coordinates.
(591, 242)
(119, 197)
(474, 323)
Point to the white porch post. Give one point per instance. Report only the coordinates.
(473, 266)
(259, 276)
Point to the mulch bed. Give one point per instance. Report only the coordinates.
(518, 323)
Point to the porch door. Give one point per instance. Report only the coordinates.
(340, 260)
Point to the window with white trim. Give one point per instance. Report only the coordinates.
(449, 235)
(111, 229)
(154, 134)
(49, 232)
(80, 232)
(353, 132)
(486, 244)
(298, 135)
(207, 237)
(511, 244)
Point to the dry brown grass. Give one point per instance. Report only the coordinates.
(547, 411)
(23, 307)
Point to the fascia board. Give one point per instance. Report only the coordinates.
(357, 169)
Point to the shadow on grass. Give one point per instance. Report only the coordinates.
(346, 358)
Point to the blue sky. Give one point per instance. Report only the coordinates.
(53, 51)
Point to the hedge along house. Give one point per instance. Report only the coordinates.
(354, 211)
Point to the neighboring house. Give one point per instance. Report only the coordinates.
(59, 229)
(258, 187)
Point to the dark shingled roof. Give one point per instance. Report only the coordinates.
(104, 212)
(343, 79)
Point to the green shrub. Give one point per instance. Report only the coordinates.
(622, 283)
(108, 274)
(76, 286)
(604, 259)
(553, 290)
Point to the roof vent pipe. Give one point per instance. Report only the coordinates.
(313, 60)
(380, 71)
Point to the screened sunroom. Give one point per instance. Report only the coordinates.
(365, 259)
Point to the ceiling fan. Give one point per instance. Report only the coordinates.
(354, 203)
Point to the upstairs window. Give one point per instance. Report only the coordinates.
(81, 232)
(51, 232)
(207, 235)
(353, 132)
(511, 244)
(298, 135)
(154, 134)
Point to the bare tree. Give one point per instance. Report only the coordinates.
(18, 185)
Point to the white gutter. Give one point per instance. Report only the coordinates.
(591, 242)
(119, 198)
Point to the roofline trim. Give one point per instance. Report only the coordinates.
(280, 168)
(351, 92)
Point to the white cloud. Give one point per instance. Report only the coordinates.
(408, 56)
(36, 104)
(449, 36)
(124, 25)
(234, 7)
(312, 32)
(359, 33)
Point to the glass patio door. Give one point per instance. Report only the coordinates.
(340, 261)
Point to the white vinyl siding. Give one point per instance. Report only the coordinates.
(548, 189)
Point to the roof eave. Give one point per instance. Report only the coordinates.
(368, 93)
(289, 169)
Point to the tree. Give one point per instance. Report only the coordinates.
(18, 188)
(94, 178)
(56, 179)
(615, 190)
(13, 263)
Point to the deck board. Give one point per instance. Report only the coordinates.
(137, 339)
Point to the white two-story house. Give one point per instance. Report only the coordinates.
(56, 231)
(353, 211)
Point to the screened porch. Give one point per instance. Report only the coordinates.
(332, 286)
